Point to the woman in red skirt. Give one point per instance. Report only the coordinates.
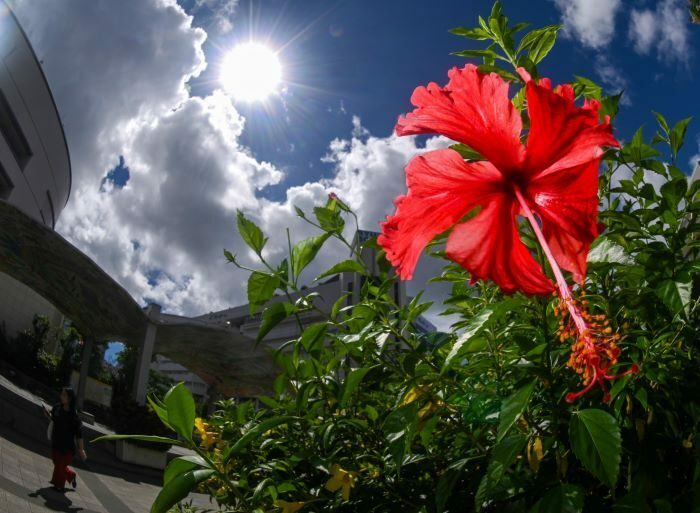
(67, 428)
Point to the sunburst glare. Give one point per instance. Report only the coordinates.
(250, 72)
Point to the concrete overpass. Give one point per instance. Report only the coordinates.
(102, 310)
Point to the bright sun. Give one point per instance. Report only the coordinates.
(250, 72)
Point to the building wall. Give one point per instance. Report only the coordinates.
(34, 158)
(35, 174)
(178, 373)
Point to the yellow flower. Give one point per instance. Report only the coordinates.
(414, 393)
(341, 480)
(289, 507)
(200, 425)
(534, 454)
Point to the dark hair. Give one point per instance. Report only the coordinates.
(71, 398)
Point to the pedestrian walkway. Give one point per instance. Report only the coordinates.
(105, 485)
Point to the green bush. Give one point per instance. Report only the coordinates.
(370, 414)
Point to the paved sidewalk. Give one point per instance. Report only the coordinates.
(104, 484)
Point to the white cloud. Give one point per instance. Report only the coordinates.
(123, 93)
(592, 22)
(694, 161)
(664, 30)
(222, 12)
(612, 78)
(642, 30)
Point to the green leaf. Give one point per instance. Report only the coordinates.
(466, 152)
(608, 252)
(313, 336)
(542, 46)
(305, 251)
(329, 219)
(261, 288)
(662, 122)
(534, 36)
(230, 256)
(504, 455)
(473, 329)
(181, 465)
(250, 233)
(596, 442)
(352, 381)
(588, 88)
(141, 438)
(563, 498)
(272, 316)
(178, 488)
(610, 105)
(346, 266)
(254, 433)
(677, 135)
(160, 410)
(512, 407)
(477, 53)
(675, 295)
(472, 33)
(673, 191)
(181, 410)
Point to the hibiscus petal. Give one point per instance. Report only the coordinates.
(473, 108)
(567, 203)
(489, 247)
(562, 135)
(442, 188)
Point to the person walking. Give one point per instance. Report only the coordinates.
(66, 429)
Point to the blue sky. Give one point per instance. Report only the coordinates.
(368, 56)
(162, 158)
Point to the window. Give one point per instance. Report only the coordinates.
(5, 184)
(12, 133)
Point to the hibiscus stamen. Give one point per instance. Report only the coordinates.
(594, 349)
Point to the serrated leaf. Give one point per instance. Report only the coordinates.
(346, 266)
(504, 455)
(512, 407)
(675, 295)
(305, 251)
(596, 442)
(673, 191)
(272, 316)
(329, 220)
(677, 135)
(477, 33)
(261, 288)
(250, 233)
(608, 252)
(563, 498)
(542, 46)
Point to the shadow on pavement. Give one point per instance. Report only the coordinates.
(55, 500)
(99, 460)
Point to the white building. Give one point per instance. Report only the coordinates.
(178, 373)
(35, 173)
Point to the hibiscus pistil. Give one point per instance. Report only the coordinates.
(594, 350)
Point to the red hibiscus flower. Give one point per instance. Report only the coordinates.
(554, 177)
